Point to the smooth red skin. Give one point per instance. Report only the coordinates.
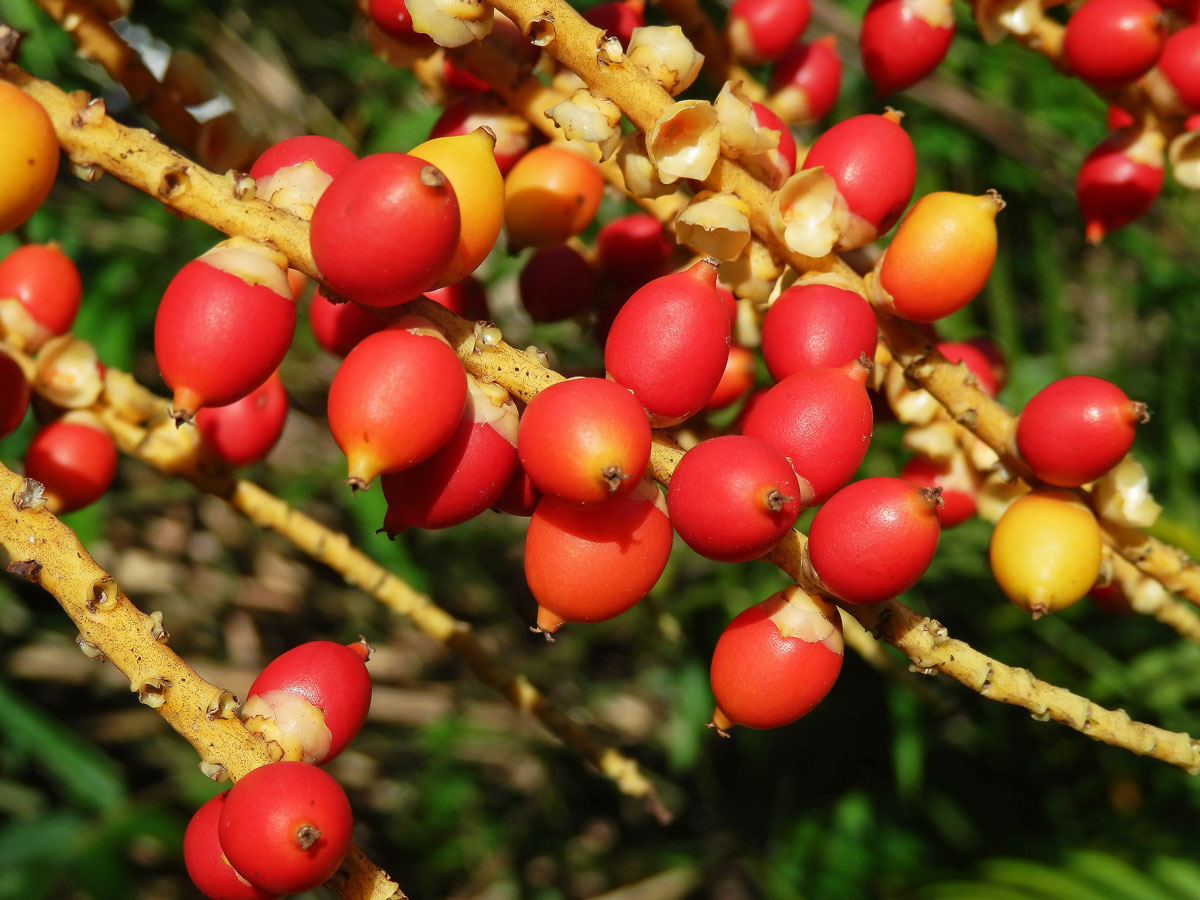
(1109, 43)
(813, 326)
(379, 235)
(731, 304)
(717, 499)
(257, 827)
(1180, 62)
(958, 505)
(76, 463)
(670, 341)
(1075, 429)
(466, 298)
(245, 431)
(787, 142)
(569, 426)
(462, 80)
(332, 677)
(872, 161)
(633, 249)
(873, 539)
(1116, 118)
(736, 381)
(392, 17)
(519, 497)
(618, 18)
(218, 336)
(327, 154)
(899, 49)
(210, 873)
(976, 362)
(816, 69)
(1113, 190)
(774, 25)
(762, 679)
(457, 119)
(46, 282)
(464, 478)
(590, 563)
(339, 326)
(396, 398)
(821, 420)
(555, 284)
(14, 395)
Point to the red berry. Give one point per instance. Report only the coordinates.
(618, 18)
(555, 284)
(519, 497)
(245, 431)
(293, 173)
(466, 298)
(396, 398)
(223, 325)
(1109, 43)
(902, 41)
(285, 826)
(633, 249)
(339, 326)
(956, 480)
(805, 82)
(762, 30)
(669, 343)
(466, 475)
(1077, 428)
(311, 700)
(776, 661)
(590, 563)
(75, 462)
(872, 160)
(584, 440)
(733, 498)
(820, 419)
(874, 539)
(814, 325)
(976, 362)
(210, 872)
(47, 285)
(376, 205)
(1118, 182)
(1180, 62)
(778, 164)
(392, 16)
(14, 394)
(736, 381)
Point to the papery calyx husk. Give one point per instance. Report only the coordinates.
(68, 372)
(251, 261)
(754, 274)
(641, 178)
(716, 225)
(1122, 496)
(586, 117)
(741, 134)
(999, 18)
(1184, 153)
(451, 23)
(808, 213)
(685, 142)
(667, 55)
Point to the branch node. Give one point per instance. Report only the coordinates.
(29, 569)
(31, 495)
(90, 650)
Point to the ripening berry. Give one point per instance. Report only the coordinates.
(311, 700)
(1046, 551)
(468, 162)
(941, 256)
(820, 419)
(1119, 181)
(550, 194)
(902, 41)
(556, 283)
(74, 461)
(293, 173)
(46, 285)
(1075, 429)
(14, 394)
(28, 156)
(395, 399)
(285, 826)
(763, 30)
(733, 498)
(591, 563)
(669, 343)
(874, 539)
(776, 661)
(872, 161)
(245, 431)
(584, 440)
(386, 229)
(339, 326)
(806, 81)
(1180, 63)
(210, 872)
(223, 325)
(1109, 43)
(736, 381)
(811, 325)
(956, 480)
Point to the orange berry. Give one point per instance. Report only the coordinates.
(28, 156)
(550, 195)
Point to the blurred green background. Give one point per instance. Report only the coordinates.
(897, 786)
